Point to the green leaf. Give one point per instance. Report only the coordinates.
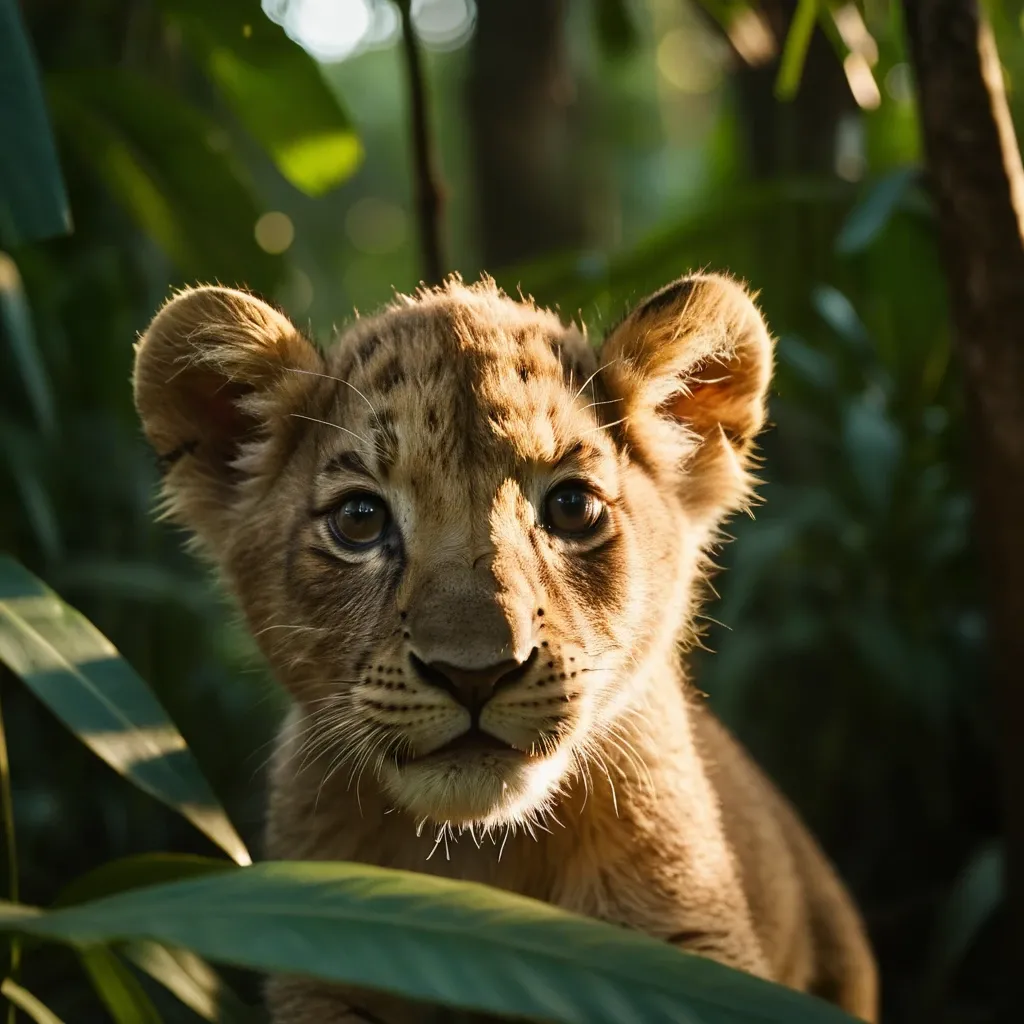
(118, 988)
(794, 53)
(184, 974)
(873, 447)
(171, 168)
(33, 201)
(806, 362)
(80, 676)
(25, 1001)
(868, 218)
(192, 980)
(431, 939)
(21, 450)
(17, 328)
(712, 234)
(132, 580)
(274, 88)
(137, 872)
(838, 312)
(975, 896)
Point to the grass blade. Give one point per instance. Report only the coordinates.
(118, 988)
(17, 324)
(192, 980)
(10, 845)
(794, 53)
(27, 1003)
(185, 975)
(80, 676)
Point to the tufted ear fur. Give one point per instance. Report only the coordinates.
(690, 368)
(212, 387)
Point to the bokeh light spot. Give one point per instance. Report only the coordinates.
(685, 64)
(274, 232)
(376, 226)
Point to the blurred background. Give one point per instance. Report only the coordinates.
(587, 152)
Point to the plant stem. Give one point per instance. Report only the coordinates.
(427, 186)
(10, 846)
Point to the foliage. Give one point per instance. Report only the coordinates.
(369, 926)
(852, 659)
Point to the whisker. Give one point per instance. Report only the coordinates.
(348, 384)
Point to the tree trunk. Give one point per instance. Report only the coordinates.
(522, 104)
(977, 180)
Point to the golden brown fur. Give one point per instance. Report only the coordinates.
(594, 779)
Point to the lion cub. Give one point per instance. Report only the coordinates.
(468, 545)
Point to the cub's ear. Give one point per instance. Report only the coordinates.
(689, 369)
(213, 386)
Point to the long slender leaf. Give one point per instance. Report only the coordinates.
(875, 210)
(17, 323)
(118, 988)
(275, 89)
(137, 872)
(182, 973)
(794, 53)
(10, 847)
(166, 163)
(25, 1001)
(432, 939)
(33, 201)
(192, 980)
(975, 897)
(80, 676)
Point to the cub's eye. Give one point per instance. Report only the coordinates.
(573, 510)
(359, 521)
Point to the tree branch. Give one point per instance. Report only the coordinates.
(429, 196)
(978, 184)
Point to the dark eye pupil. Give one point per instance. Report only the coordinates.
(359, 520)
(573, 505)
(360, 509)
(573, 510)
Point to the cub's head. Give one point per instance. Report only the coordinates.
(462, 536)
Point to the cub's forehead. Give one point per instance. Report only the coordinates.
(463, 379)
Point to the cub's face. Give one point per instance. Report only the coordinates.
(460, 534)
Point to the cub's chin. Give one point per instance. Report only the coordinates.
(486, 787)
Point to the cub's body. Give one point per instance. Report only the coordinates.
(468, 545)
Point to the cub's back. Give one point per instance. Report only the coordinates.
(800, 909)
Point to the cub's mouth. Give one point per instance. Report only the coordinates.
(473, 741)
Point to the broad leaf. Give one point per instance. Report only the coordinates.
(33, 202)
(172, 170)
(137, 872)
(274, 88)
(432, 939)
(80, 676)
(184, 974)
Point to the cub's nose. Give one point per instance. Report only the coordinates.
(472, 687)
